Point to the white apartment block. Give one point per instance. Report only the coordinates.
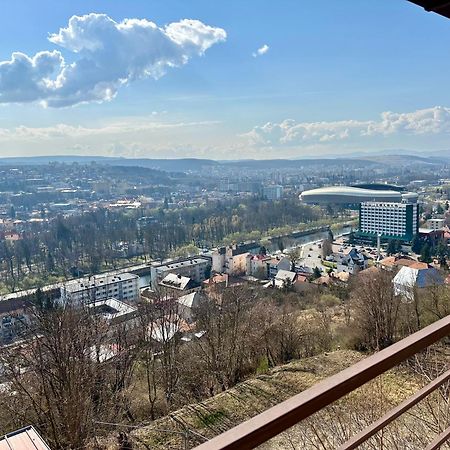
(389, 219)
(123, 287)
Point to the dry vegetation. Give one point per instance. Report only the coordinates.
(259, 347)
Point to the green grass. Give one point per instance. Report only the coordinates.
(211, 419)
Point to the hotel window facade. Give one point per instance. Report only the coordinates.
(389, 219)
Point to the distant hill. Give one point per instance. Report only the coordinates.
(194, 164)
(407, 159)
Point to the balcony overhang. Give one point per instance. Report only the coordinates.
(441, 7)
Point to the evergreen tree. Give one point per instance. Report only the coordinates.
(351, 237)
(330, 235)
(425, 254)
(416, 245)
(391, 248)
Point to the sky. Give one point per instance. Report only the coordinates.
(222, 79)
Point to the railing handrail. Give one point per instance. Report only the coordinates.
(279, 418)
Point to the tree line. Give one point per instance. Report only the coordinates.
(103, 239)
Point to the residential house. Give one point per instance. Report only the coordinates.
(259, 266)
(352, 262)
(179, 283)
(187, 305)
(279, 263)
(288, 279)
(409, 279)
(233, 259)
(393, 262)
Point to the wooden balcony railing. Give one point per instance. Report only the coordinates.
(279, 418)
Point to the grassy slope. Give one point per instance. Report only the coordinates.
(217, 414)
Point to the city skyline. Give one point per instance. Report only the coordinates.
(222, 81)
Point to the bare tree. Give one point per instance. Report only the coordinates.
(376, 309)
(159, 349)
(294, 255)
(69, 372)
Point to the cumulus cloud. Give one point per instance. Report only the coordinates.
(430, 121)
(261, 51)
(107, 55)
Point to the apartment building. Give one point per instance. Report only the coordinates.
(234, 259)
(197, 268)
(273, 192)
(123, 287)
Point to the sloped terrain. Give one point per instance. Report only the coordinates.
(197, 422)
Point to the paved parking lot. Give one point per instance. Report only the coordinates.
(312, 252)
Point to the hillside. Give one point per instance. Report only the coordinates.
(194, 164)
(217, 414)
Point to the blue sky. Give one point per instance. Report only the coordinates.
(331, 77)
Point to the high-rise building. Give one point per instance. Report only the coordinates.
(273, 192)
(392, 220)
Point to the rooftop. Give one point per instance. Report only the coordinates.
(97, 281)
(175, 281)
(26, 438)
(111, 308)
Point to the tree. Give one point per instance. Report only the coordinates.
(376, 309)
(316, 273)
(224, 348)
(425, 254)
(330, 236)
(416, 244)
(442, 253)
(327, 248)
(351, 238)
(294, 256)
(159, 345)
(392, 247)
(71, 371)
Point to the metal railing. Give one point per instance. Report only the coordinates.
(279, 418)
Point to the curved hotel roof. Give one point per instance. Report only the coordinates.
(350, 195)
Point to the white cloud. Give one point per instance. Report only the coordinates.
(423, 122)
(108, 55)
(65, 131)
(261, 51)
